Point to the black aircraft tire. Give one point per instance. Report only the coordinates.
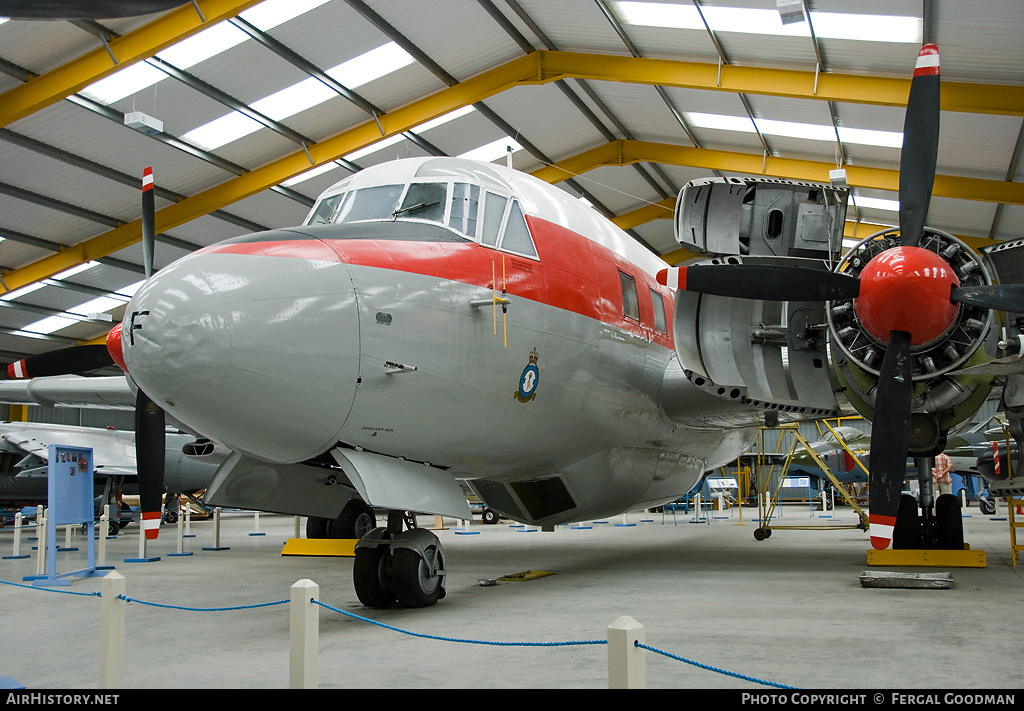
(490, 516)
(987, 506)
(355, 521)
(906, 534)
(760, 534)
(949, 523)
(316, 527)
(371, 576)
(412, 585)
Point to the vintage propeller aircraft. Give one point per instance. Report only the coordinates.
(438, 320)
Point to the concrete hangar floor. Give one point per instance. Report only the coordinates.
(789, 610)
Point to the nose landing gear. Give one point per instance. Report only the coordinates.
(395, 566)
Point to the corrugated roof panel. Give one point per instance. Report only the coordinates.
(641, 110)
(658, 234)
(43, 45)
(560, 130)
(1011, 223)
(576, 26)
(42, 222)
(977, 146)
(85, 134)
(482, 43)
(966, 217)
(16, 254)
(270, 209)
(619, 189)
(329, 34)
(980, 42)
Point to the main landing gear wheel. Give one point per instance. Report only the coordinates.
(907, 533)
(762, 533)
(949, 523)
(490, 516)
(372, 573)
(316, 527)
(355, 521)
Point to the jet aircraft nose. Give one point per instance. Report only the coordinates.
(250, 344)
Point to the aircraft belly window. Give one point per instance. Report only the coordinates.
(465, 202)
(424, 201)
(324, 209)
(659, 312)
(374, 203)
(630, 300)
(494, 211)
(517, 234)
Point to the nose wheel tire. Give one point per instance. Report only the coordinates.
(419, 580)
(949, 523)
(490, 516)
(372, 572)
(987, 506)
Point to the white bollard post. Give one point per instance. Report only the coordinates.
(627, 663)
(963, 499)
(297, 529)
(101, 548)
(216, 527)
(67, 536)
(41, 544)
(17, 536)
(112, 631)
(304, 636)
(142, 537)
(188, 519)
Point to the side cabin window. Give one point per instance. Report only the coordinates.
(630, 300)
(659, 312)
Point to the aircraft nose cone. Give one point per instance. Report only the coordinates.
(257, 351)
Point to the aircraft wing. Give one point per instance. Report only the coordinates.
(111, 392)
(113, 451)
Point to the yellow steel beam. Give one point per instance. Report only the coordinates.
(955, 96)
(49, 88)
(625, 152)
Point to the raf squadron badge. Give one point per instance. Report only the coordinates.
(529, 379)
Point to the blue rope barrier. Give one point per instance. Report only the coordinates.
(454, 639)
(641, 645)
(66, 592)
(203, 609)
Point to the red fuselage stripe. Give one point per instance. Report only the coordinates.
(573, 273)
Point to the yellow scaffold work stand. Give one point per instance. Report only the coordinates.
(766, 506)
(1015, 549)
(344, 547)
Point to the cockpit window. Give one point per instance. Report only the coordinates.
(324, 210)
(465, 202)
(494, 213)
(374, 203)
(517, 234)
(424, 201)
(490, 218)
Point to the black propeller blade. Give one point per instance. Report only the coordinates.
(1001, 297)
(890, 434)
(150, 450)
(920, 146)
(759, 281)
(77, 359)
(150, 435)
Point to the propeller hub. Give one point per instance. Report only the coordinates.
(114, 347)
(906, 289)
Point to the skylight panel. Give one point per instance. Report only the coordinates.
(310, 174)
(300, 96)
(492, 151)
(831, 25)
(792, 129)
(50, 324)
(195, 49)
(371, 65)
(877, 203)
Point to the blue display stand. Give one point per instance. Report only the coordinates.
(69, 503)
